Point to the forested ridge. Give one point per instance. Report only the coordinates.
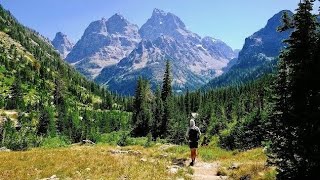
(279, 111)
(49, 96)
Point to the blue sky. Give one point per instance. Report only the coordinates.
(231, 21)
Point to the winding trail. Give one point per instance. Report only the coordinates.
(206, 171)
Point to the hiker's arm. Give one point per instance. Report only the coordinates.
(187, 135)
(199, 131)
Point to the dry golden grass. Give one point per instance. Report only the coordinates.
(83, 162)
(251, 164)
(97, 162)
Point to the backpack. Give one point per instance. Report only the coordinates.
(194, 135)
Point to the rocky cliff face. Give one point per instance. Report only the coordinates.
(62, 44)
(258, 55)
(264, 44)
(104, 43)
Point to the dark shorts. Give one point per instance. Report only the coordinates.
(193, 144)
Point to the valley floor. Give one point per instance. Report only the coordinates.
(161, 161)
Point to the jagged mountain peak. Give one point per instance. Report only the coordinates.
(274, 22)
(98, 27)
(117, 19)
(163, 23)
(119, 24)
(60, 35)
(104, 43)
(157, 11)
(62, 44)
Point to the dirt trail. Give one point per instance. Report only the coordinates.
(206, 171)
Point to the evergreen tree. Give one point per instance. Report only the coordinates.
(296, 118)
(16, 99)
(58, 93)
(86, 124)
(46, 124)
(157, 114)
(142, 113)
(187, 103)
(62, 118)
(166, 93)
(167, 80)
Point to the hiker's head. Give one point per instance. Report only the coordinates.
(192, 123)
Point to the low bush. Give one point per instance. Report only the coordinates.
(122, 138)
(18, 140)
(54, 142)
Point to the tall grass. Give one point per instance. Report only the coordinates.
(81, 162)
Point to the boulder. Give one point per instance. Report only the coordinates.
(4, 149)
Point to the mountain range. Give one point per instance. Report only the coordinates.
(115, 52)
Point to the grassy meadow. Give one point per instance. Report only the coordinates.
(105, 161)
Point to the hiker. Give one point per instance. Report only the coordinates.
(193, 136)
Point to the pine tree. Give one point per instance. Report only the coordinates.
(157, 114)
(46, 124)
(58, 93)
(167, 80)
(142, 113)
(86, 124)
(16, 100)
(296, 118)
(52, 128)
(187, 103)
(166, 93)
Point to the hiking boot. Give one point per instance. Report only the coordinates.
(192, 163)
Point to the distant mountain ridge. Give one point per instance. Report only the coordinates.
(115, 53)
(258, 55)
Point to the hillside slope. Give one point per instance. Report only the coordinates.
(25, 57)
(44, 95)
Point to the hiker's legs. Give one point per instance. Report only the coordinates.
(193, 154)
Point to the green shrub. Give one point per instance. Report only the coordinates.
(178, 149)
(110, 138)
(247, 133)
(18, 140)
(54, 142)
(139, 141)
(124, 139)
(94, 135)
(149, 140)
(161, 141)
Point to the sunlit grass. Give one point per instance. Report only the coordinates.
(250, 164)
(97, 162)
(82, 162)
